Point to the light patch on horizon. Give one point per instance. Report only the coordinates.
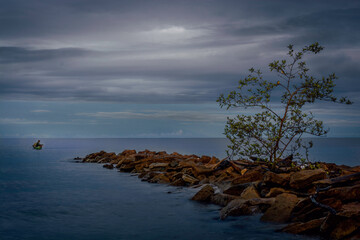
(40, 111)
(24, 121)
(186, 116)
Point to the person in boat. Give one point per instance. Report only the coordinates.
(37, 144)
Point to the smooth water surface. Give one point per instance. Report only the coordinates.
(46, 195)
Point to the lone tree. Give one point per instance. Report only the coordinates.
(272, 134)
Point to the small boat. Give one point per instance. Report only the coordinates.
(37, 147)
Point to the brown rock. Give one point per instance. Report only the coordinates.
(204, 195)
(252, 175)
(275, 191)
(346, 194)
(127, 167)
(338, 181)
(128, 152)
(240, 207)
(276, 179)
(262, 203)
(140, 156)
(159, 178)
(146, 176)
(305, 178)
(205, 159)
(221, 178)
(311, 227)
(108, 166)
(201, 170)
(237, 207)
(178, 182)
(339, 227)
(222, 199)
(158, 166)
(249, 193)
(189, 179)
(350, 210)
(281, 210)
(236, 189)
(174, 164)
(306, 210)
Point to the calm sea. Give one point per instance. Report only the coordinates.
(46, 195)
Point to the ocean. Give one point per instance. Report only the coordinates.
(46, 195)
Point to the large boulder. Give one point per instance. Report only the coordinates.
(280, 211)
(306, 210)
(204, 195)
(251, 175)
(343, 224)
(249, 193)
(236, 189)
(178, 182)
(305, 178)
(239, 207)
(346, 194)
(281, 179)
(159, 178)
(311, 227)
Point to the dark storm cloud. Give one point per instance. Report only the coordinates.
(163, 51)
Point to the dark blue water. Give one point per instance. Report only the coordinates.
(46, 195)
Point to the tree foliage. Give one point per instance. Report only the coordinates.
(274, 133)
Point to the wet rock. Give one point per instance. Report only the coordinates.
(127, 167)
(305, 178)
(178, 182)
(280, 211)
(311, 227)
(339, 227)
(249, 193)
(159, 178)
(236, 189)
(146, 176)
(239, 207)
(108, 166)
(204, 195)
(222, 199)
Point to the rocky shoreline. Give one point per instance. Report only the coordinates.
(320, 202)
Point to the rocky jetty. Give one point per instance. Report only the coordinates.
(322, 202)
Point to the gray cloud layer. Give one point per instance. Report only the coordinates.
(164, 51)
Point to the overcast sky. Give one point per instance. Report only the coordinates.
(112, 68)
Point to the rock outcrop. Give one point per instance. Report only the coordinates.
(322, 202)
